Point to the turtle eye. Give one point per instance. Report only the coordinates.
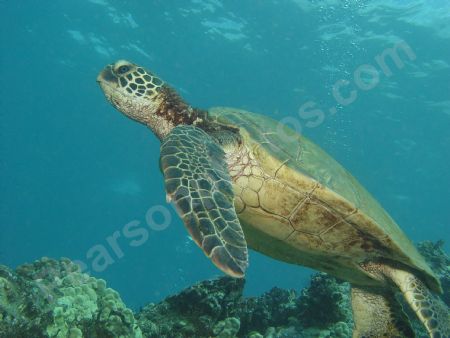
(123, 69)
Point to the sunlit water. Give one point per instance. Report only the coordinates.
(76, 175)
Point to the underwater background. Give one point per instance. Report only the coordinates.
(75, 172)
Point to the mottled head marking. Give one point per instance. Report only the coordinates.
(144, 97)
(128, 77)
(136, 80)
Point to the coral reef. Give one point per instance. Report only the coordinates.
(217, 309)
(196, 311)
(325, 302)
(321, 308)
(52, 298)
(278, 307)
(227, 328)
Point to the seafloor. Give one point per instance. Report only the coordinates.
(52, 298)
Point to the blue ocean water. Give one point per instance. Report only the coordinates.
(75, 172)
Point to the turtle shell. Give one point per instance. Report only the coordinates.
(318, 206)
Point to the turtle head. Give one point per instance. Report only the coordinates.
(143, 97)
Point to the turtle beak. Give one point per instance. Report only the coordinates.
(107, 75)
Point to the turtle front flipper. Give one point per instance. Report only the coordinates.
(197, 181)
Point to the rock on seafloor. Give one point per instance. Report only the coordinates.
(53, 298)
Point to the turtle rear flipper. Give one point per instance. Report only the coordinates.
(430, 309)
(377, 313)
(197, 181)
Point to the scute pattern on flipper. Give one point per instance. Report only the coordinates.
(197, 180)
(433, 313)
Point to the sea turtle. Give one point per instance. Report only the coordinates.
(241, 179)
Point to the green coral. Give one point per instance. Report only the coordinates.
(195, 311)
(282, 332)
(77, 304)
(276, 307)
(337, 330)
(226, 328)
(52, 298)
(324, 292)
